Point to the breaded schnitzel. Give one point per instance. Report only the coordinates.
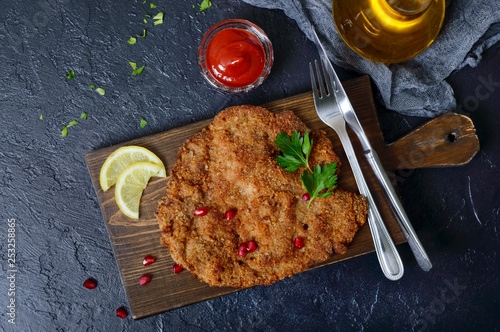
(231, 166)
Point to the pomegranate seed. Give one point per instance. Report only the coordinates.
(177, 269)
(230, 214)
(120, 312)
(144, 280)
(298, 242)
(251, 246)
(89, 283)
(148, 260)
(306, 197)
(200, 212)
(242, 250)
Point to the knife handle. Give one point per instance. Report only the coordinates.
(415, 245)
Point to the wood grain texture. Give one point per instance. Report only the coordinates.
(132, 240)
(448, 140)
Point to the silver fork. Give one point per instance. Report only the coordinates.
(329, 112)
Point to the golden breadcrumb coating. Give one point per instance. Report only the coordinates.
(231, 165)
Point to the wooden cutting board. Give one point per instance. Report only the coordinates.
(445, 141)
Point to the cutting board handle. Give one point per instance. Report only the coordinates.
(448, 140)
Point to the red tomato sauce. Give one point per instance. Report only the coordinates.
(235, 57)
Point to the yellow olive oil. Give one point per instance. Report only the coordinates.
(388, 31)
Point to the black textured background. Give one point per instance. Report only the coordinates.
(60, 235)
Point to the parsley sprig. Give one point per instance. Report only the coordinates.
(296, 151)
(322, 178)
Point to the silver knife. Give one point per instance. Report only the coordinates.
(374, 161)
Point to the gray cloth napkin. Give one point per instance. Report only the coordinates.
(416, 87)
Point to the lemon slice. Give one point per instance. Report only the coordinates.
(121, 159)
(131, 183)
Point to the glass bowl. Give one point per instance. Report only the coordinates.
(235, 24)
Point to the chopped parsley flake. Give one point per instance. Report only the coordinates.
(92, 86)
(143, 123)
(143, 33)
(70, 74)
(64, 131)
(158, 18)
(145, 21)
(72, 123)
(83, 115)
(138, 71)
(152, 6)
(41, 116)
(147, 15)
(101, 91)
(205, 5)
(133, 64)
(132, 40)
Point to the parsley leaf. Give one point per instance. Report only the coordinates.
(322, 178)
(41, 116)
(143, 33)
(143, 123)
(101, 91)
(205, 5)
(84, 115)
(132, 40)
(133, 64)
(152, 6)
(92, 86)
(138, 71)
(70, 74)
(296, 151)
(159, 18)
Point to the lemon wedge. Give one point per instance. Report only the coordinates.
(131, 183)
(121, 159)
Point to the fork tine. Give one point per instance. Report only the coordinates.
(313, 83)
(320, 80)
(328, 80)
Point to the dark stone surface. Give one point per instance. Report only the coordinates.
(60, 236)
